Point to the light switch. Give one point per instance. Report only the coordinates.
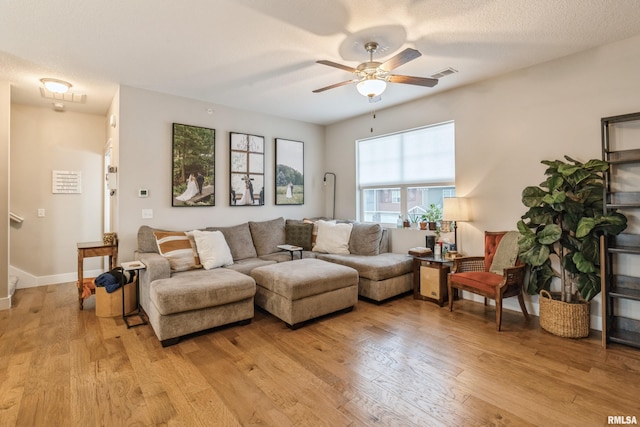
(41, 213)
(147, 213)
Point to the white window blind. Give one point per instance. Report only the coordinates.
(420, 156)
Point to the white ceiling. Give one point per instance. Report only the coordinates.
(260, 55)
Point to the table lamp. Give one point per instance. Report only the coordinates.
(455, 209)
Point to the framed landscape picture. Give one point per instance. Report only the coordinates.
(193, 172)
(246, 170)
(289, 172)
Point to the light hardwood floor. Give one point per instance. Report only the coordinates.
(403, 363)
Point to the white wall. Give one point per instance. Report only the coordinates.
(43, 249)
(5, 115)
(145, 123)
(504, 128)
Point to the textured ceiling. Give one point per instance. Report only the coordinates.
(260, 55)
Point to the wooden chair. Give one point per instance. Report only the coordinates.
(473, 274)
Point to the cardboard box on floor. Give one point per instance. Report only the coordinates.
(110, 304)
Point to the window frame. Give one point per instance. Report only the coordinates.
(402, 187)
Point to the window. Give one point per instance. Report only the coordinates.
(404, 173)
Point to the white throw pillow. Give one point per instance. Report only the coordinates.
(213, 250)
(333, 238)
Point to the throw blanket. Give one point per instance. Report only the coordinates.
(506, 253)
(88, 287)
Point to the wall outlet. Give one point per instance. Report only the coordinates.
(41, 213)
(147, 213)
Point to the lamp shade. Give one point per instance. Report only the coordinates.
(455, 209)
(371, 87)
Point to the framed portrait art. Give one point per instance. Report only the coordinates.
(193, 171)
(246, 169)
(289, 172)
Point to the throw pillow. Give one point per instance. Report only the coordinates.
(267, 235)
(314, 232)
(506, 253)
(333, 238)
(239, 239)
(365, 239)
(298, 234)
(178, 249)
(212, 249)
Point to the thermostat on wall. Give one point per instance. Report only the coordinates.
(143, 192)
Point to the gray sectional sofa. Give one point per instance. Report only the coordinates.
(181, 303)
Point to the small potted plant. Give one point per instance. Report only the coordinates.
(432, 216)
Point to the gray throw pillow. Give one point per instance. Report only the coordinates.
(365, 239)
(267, 235)
(147, 240)
(239, 239)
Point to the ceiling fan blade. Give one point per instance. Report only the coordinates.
(335, 85)
(336, 65)
(400, 59)
(418, 81)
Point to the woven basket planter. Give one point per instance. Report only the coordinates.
(569, 320)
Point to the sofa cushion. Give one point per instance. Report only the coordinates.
(379, 267)
(178, 248)
(298, 233)
(147, 240)
(333, 238)
(365, 239)
(245, 266)
(267, 235)
(197, 289)
(239, 239)
(212, 249)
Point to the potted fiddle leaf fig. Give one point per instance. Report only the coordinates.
(562, 229)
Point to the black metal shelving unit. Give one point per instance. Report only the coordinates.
(621, 193)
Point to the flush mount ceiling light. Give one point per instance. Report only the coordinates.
(56, 86)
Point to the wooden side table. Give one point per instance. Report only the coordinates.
(430, 278)
(94, 249)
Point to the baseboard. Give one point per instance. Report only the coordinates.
(5, 303)
(27, 280)
(533, 307)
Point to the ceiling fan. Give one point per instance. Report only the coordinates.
(372, 76)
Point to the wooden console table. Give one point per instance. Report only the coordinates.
(94, 249)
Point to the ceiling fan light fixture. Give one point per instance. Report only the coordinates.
(371, 87)
(56, 86)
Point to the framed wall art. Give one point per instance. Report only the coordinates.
(289, 172)
(246, 169)
(193, 171)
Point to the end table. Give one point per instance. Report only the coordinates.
(430, 278)
(136, 267)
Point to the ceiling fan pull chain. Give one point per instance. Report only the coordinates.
(373, 117)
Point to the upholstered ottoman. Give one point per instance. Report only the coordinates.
(300, 290)
(193, 302)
